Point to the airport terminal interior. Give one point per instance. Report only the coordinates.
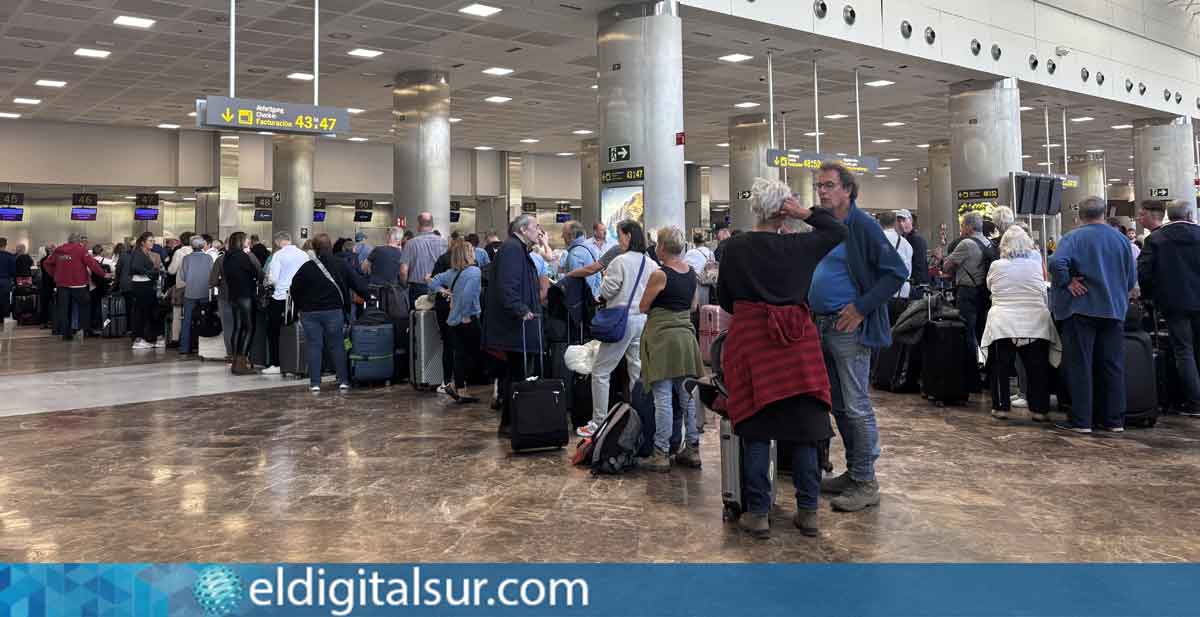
(120, 118)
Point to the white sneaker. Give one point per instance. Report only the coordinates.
(271, 370)
(344, 387)
(314, 389)
(140, 344)
(587, 430)
(1019, 402)
(159, 344)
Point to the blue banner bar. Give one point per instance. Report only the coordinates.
(616, 590)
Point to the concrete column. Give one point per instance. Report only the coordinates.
(589, 180)
(942, 218)
(511, 181)
(695, 192)
(1164, 158)
(922, 213)
(1092, 183)
(801, 183)
(985, 136)
(293, 180)
(640, 49)
(749, 139)
(216, 206)
(421, 161)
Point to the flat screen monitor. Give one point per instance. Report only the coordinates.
(262, 215)
(318, 216)
(1023, 192)
(83, 214)
(362, 216)
(620, 203)
(145, 214)
(12, 214)
(562, 217)
(455, 217)
(1056, 191)
(1044, 186)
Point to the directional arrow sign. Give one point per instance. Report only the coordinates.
(618, 154)
(744, 195)
(228, 115)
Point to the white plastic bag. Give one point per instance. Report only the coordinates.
(581, 358)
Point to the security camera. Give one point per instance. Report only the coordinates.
(762, 77)
(1061, 51)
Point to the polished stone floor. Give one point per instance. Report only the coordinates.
(388, 474)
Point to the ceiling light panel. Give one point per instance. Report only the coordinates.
(354, 110)
(480, 10)
(498, 71)
(498, 99)
(50, 83)
(300, 76)
(1082, 119)
(879, 83)
(9, 115)
(746, 105)
(92, 53)
(24, 101)
(365, 53)
(735, 58)
(134, 22)
(893, 124)
(836, 116)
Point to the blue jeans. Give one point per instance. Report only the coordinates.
(806, 476)
(323, 334)
(1095, 363)
(848, 363)
(664, 413)
(185, 329)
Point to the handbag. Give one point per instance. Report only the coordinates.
(610, 323)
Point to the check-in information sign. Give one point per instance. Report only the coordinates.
(794, 159)
(256, 115)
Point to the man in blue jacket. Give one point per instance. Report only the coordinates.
(848, 297)
(1092, 272)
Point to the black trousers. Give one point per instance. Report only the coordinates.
(464, 340)
(146, 324)
(1035, 358)
(242, 328)
(274, 325)
(448, 348)
(78, 296)
(5, 294)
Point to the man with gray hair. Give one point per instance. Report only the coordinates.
(68, 266)
(194, 270)
(418, 257)
(1093, 273)
(968, 260)
(284, 263)
(1169, 276)
(887, 220)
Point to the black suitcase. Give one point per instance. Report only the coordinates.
(25, 306)
(945, 362)
(114, 318)
(258, 343)
(538, 411)
(1141, 385)
(890, 370)
(293, 356)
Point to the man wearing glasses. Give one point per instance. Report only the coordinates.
(848, 298)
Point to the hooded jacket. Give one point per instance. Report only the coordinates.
(69, 265)
(1169, 267)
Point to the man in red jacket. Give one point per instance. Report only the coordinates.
(69, 265)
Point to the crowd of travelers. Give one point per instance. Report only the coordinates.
(812, 313)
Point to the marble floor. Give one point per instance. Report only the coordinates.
(387, 474)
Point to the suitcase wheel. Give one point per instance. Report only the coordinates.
(731, 512)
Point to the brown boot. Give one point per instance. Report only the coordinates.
(241, 366)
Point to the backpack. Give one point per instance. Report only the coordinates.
(616, 443)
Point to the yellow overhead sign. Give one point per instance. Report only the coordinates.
(250, 114)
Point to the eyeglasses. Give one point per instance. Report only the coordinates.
(829, 186)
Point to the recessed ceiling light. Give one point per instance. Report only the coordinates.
(1045, 163)
(1082, 119)
(836, 116)
(49, 83)
(191, 114)
(893, 124)
(688, 163)
(354, 110)
(595, 86)
(881, 141)
(746, 105)
(724, 164)
(265, 133)
(813, 134)
(1114, 180)
(922, 146)
(892, 160)
(301, 76)
(1026, 156)
(189, 199)
(1051, 146)
(92, 53)
(566, 154)
(357, 139)
(1122, 126)
(480, 10)
(724, 145)
(453, 120)
(884, 168)
(581, 132)
(483, 148)
(498, 99)
(133, 22)
(498, 71)
(735, 58)
(165, 192)
(530, 141)
(1130, 169)
(1025, 108)
(168, 126)
(365, 53)
(879, 83)
(1095, 151)
(10, 116)
(24, 101)
(842, 154)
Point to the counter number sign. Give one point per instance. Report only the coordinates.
(12, 199)
(364, 204)
(1159, 192)
(84, 199)
(146, 200)
(619, 154)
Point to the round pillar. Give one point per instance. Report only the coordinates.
(640, 50)
(421, 161)
(749, 139)
(922, 213)
(293, 180)
(1092, 183)
(1164, 159)
(942, 225)
(801, 183)
(985, 137)
(589, 180)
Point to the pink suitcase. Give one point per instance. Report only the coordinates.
(713, 321)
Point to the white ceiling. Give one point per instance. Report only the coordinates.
(153, 76)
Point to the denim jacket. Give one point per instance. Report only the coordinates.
(465, 302)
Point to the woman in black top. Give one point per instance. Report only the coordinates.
(242, 274)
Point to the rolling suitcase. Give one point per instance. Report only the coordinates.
(1141, 385)
(114, 318)
(732, 465)
(372, 353)
(945, 362)
(713, 321)
(293, 356)
(890, 368)
(258, 343)
(537, 410)
(25, 305)
(424, 351)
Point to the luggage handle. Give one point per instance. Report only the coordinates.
(525, 350)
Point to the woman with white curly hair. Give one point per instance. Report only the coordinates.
(772, 360)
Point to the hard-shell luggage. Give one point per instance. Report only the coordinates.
(258, 343)
(293, 355)
(946, 362)
(114, 318)
(891, 367)
(1141, 385)
(733, 465)
(424, 351)
(537, 409)
(372, 353)
(713, 321)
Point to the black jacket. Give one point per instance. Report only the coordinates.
(920, 262)
(1169, 268)
(242, 273)
(512, 293)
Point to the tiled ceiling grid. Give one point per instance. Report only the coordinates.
(154, 76)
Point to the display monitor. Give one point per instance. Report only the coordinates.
(1044, 186)
(12, 214)
(562, 217)
(1024, 190)
(455, 217)
(83, 214)
(362, 216)
(145, 214)
(1056, 191)
(262, 215)
(318, 216)
(619, 203)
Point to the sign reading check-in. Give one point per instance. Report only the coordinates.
(252, 114)
(797, 159)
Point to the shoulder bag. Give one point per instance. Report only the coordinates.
(610, 323)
